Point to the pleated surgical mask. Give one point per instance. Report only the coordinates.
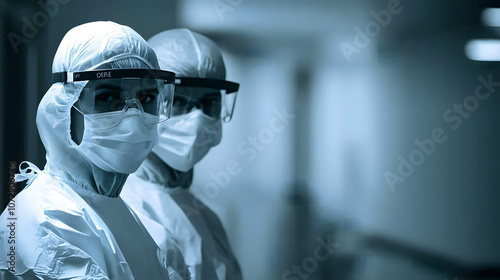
(120, 148)
(185, 139)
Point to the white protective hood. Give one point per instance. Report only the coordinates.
(85, 47)
(188, 54)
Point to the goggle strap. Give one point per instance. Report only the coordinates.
(230, 87)
(68, 77)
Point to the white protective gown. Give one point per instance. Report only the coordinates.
(69, 222)
(159, 194)
(175, 213)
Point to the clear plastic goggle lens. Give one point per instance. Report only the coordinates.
(151, 96)
(227, 108)
(214, 103)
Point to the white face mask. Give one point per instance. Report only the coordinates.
(186, 139)
(120, 148)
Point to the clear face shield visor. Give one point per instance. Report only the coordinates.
(216, 98)
(114, 92)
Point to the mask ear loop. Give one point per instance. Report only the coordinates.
(76, 108)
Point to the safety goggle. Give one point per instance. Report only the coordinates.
(150, 91)
(216, 98)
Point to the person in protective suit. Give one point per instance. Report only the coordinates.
(159, 190)
(98, 122)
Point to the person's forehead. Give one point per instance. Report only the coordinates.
(196, 92)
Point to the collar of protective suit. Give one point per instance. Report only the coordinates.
(175, 213)
(62, 231)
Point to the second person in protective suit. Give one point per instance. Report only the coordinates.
(159, 189)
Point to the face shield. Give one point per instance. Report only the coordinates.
(216, 98)
(115, 91)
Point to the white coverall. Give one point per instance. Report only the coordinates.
(69, 222)
(159, 194)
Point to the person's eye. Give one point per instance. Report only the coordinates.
(211, 96)
(180, 101)
(107, 97)
(147, 97)
(209, 101)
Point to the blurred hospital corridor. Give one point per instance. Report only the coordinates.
(365, 138)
